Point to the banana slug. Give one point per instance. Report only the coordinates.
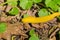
(31, 19)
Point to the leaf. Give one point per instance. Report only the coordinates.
(43, 12)
(51, 4)
(33, 37)
(36, 1)
(14, 11)
(26, 4)
(57, 1)
(26, 15)
(59, 9)
(12, 2)
(32, 32)
(59, 12)
(2, 27)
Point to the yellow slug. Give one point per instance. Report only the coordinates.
(31, 19)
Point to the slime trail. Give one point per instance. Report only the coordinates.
(31, 19)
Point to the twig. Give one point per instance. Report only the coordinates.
(54, 32)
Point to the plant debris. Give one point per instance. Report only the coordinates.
(13, 11)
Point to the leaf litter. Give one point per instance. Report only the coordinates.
(16, 27)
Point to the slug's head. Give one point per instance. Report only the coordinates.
(55, 14)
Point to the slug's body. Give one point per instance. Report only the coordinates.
(31, 19)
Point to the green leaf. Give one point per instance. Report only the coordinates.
(47, 2)
(32, 32)
(12, 2)
(58, 16)
(36, 1)
(2, 27)
(53, 5)
(43, 12)
(59, 9)
(26, 15)
(14, 11)
(26, 4)
(57, 1)
(34, 37)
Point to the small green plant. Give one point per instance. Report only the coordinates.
(33, 35)
(13, 4)
(53, 4)
(14, 11)
(2, 27)
(37, 1)
(27, 4)
(43, 12)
